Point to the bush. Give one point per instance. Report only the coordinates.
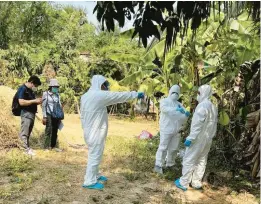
(15, 161)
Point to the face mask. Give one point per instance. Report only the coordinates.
(54, 89)
(198, 98)
(174, 96)
(34, 89)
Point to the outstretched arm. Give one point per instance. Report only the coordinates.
(110, 98)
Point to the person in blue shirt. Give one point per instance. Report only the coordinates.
(28, 103)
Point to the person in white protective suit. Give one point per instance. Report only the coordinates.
(198, 143)
(94, 119)
(172, 117)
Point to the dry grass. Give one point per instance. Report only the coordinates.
(10, 124)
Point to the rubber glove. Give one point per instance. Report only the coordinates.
(140, 95)
(180, 109)
(187, 143)
(187, 113)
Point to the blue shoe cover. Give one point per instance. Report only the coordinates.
(97, 186)
(178, 185)
(102, 178)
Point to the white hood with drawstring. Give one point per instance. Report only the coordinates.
(171, 122)
(94, 120)
(203, 129)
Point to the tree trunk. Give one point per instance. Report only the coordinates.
(148, 105)
(132, 113)
(77, 106)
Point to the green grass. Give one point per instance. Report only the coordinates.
(136, 158)
(17, 167)
(58, 175)
(130, 153)
(128, 156)
(15, 161)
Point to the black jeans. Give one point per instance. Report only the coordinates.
(51, 131)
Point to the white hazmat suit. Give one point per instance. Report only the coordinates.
(171, 122)
(94, 119)
(203, 129)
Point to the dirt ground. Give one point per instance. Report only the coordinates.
(57, 177)
(117, 127)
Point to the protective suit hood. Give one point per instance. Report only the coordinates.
(94, 120)
(203, 129)
(174, 93)
(205, 92)
(97, 81)
(174, 88)
(171, 123)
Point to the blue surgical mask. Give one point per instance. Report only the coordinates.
(55, 89)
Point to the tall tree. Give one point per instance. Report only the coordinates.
(151, 17)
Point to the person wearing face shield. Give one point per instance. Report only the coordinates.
(94, 120)
(198, 143)
(172, 117)
(52, 115)
(28, 109)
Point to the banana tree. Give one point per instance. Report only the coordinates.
(192, 62)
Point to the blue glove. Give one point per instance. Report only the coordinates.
(187, 113)
(187, 143)
(180, 110)
(140, 95)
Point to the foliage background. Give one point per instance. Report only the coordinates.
(54, 41)
(47, 40)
